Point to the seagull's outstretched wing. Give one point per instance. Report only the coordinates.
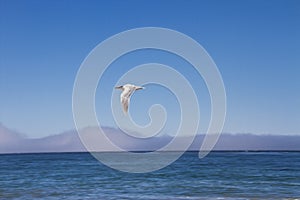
(125, 97)
(125, 102)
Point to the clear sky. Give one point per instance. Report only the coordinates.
(255, 44)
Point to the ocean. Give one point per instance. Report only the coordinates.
(220, 175)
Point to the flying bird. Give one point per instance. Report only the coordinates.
(127, 91)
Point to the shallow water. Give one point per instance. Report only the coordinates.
(220, 175)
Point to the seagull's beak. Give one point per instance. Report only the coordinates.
(118, 87)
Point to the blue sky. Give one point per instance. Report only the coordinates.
(255, 44)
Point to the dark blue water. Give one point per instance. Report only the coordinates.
(220, 175)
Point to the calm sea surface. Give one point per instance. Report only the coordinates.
(220, 175)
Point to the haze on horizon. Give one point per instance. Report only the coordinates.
(69, 141)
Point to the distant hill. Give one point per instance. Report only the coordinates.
(14, 142)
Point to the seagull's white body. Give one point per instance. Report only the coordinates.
(127, 91)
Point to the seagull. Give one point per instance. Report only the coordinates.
(127, 91)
